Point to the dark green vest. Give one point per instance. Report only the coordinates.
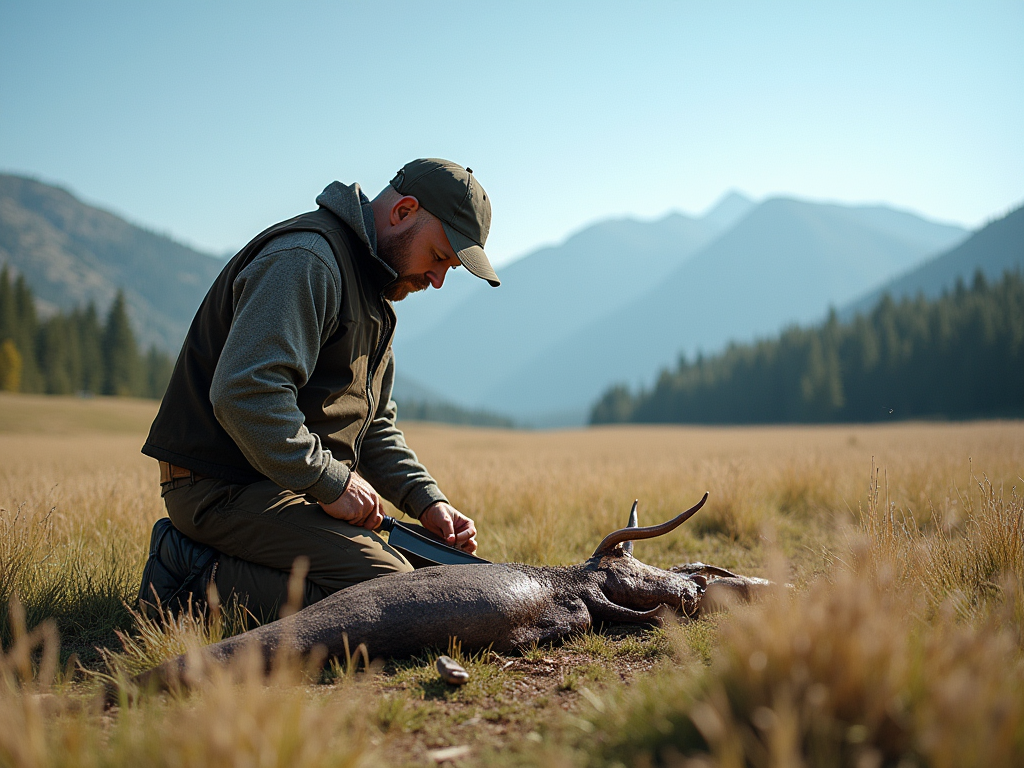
(343, 390)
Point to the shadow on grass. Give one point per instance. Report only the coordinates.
(84, 624)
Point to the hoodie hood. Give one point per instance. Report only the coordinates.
(348, 203)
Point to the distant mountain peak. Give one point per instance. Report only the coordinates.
(729, 209)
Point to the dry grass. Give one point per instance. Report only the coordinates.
(74, 526)
(550, 497)
(63, 416)
(237, 717)
(842, 673)
(901, 642)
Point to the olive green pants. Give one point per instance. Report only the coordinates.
(260, 529)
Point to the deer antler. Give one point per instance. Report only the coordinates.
(633, 534)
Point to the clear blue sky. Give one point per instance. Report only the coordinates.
(211, 120)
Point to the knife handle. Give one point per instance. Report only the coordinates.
(387, 524)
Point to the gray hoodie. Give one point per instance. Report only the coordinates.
(253, 396)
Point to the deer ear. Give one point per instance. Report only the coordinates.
(627, 547)
(633, 523)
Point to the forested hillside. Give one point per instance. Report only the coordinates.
(960, 356)
(446, 413)
(72, 253)
(996, 248)
(74, 351)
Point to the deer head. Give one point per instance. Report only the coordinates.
(630, 583)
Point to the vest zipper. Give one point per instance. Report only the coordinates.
(371, 370)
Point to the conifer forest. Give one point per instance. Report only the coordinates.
(73, 352)
(958, 357)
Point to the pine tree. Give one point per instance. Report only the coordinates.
(158, 373)
(8, 312)
(26, 326)
(60, 359)
(822, 385)
(616, 406)
(90, 345)
(120, 355)
(10, 367)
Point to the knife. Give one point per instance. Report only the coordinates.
(424, 548)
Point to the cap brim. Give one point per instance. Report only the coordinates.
(471, 255)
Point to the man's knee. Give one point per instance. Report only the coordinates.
(263, 591)
(372, 558)
(400, 565)
(267, 526)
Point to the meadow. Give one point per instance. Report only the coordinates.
(900, 641)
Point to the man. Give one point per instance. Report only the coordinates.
(277, 430)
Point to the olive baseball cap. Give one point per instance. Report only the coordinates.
(454, 196)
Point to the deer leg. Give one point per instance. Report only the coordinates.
(603, 609)
(556, 623)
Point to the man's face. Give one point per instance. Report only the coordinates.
(419, 252)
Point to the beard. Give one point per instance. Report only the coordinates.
(394, 251)
(403, 286)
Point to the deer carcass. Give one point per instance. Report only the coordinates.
(503, 606)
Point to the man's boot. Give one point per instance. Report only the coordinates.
(177, 574)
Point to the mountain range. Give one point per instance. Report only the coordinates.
(555, 292)
(659, 246)
(620, 300)
(615, 302)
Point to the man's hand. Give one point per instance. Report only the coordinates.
(455, 528)
(359, 505)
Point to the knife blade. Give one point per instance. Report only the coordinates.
(424, 548)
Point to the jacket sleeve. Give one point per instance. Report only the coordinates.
(284, 304)
(389, 464)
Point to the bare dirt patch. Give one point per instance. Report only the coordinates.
(510, 705)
